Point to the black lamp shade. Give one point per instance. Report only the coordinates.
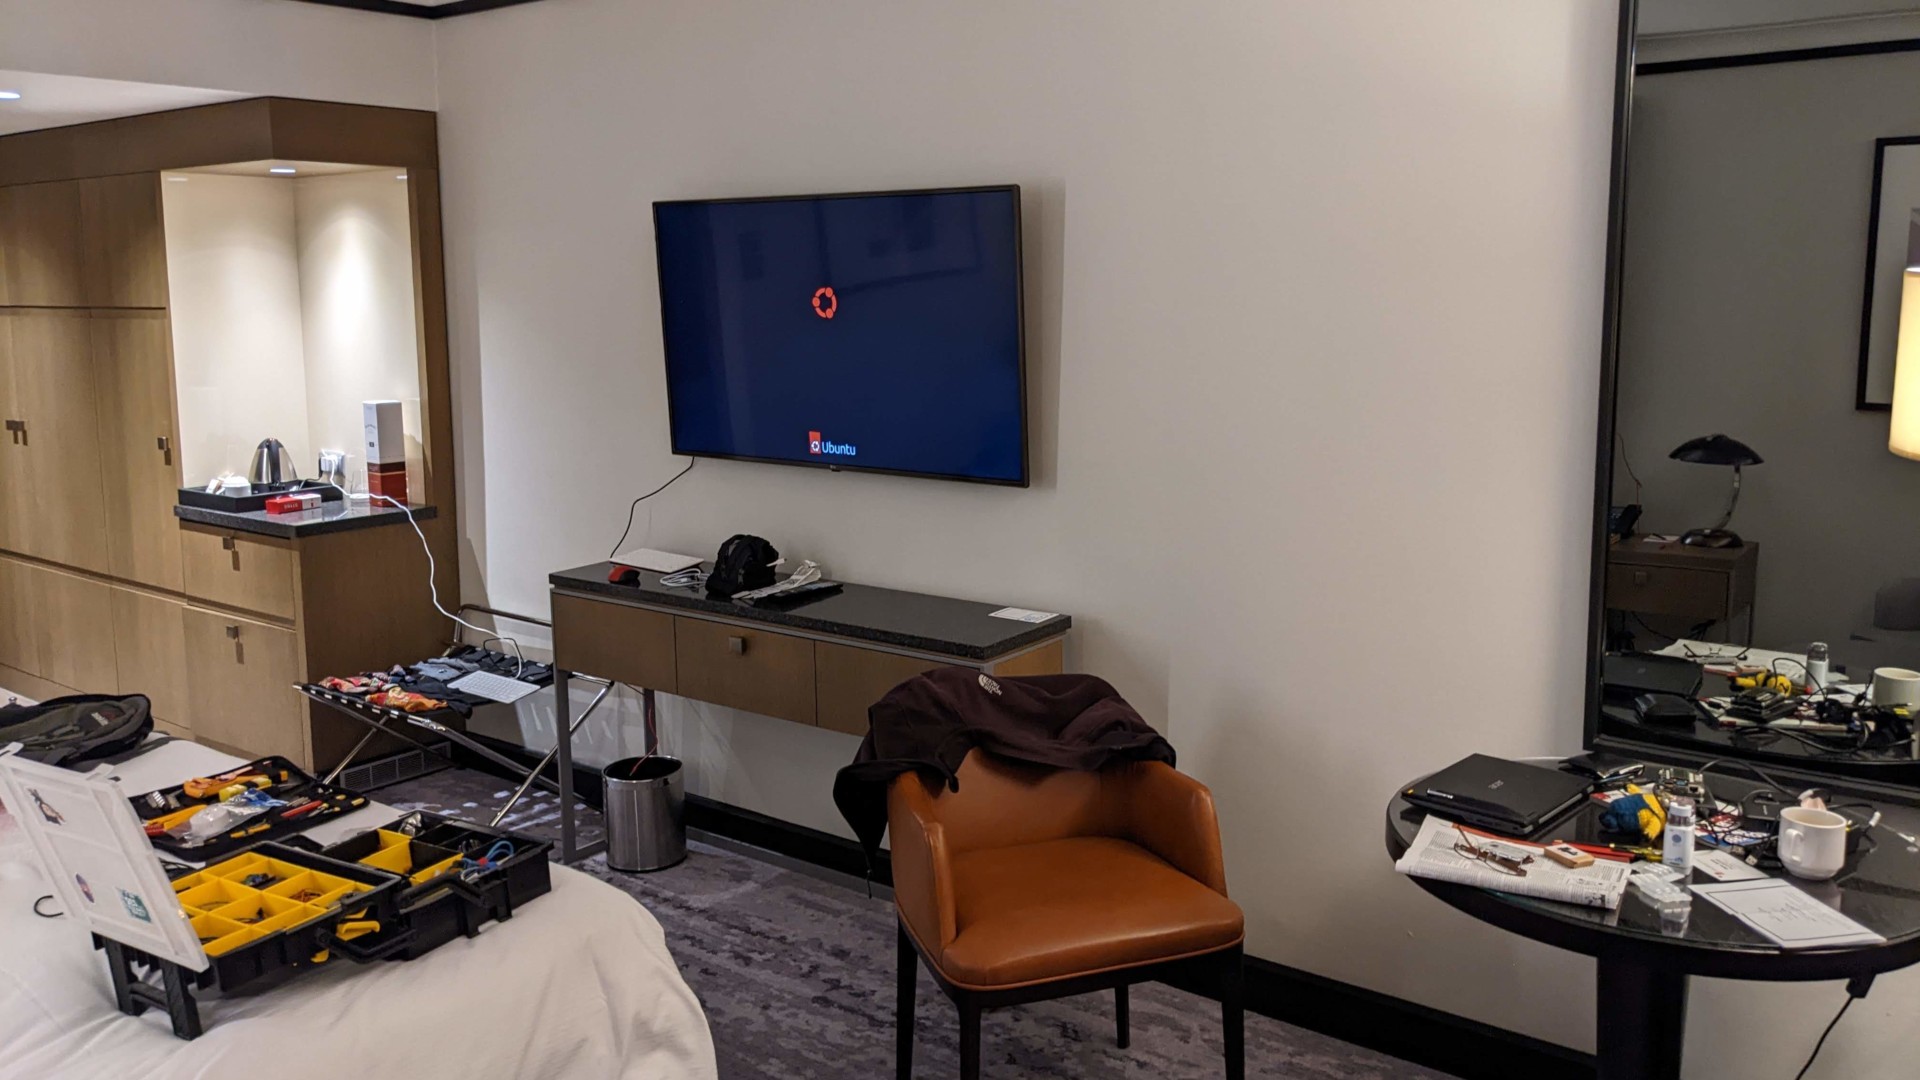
(1715, 450)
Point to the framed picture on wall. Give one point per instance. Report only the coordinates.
(1891, 251)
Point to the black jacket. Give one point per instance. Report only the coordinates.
(928, 723)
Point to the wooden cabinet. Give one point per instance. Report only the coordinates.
(253, 573)
(15, 501)
(625, 644)
(133, 365)
(848, 680)
(240, 675)
(40, 228)
(744, 667)
(72, 626)
(55, 395)
(123, 252)
(19, 648)
(150, 652)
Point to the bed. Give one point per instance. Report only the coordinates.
(578, 984)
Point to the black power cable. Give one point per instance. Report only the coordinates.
(1823, 1038)
(636, 505)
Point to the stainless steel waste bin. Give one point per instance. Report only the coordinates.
(646, 829)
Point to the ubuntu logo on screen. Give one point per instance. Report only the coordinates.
(820, 447)
(825, 304)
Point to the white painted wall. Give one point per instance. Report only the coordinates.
(355, 244)
(233, 276)
(289, 49)
(1314, 299)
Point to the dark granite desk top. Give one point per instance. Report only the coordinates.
(940, 625)
(333, 517)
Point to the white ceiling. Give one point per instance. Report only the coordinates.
(1695, 16)
(58, 100)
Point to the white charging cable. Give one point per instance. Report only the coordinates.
(433, 587)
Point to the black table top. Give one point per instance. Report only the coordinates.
(332, 517)
(1879, 887)
(944, 626)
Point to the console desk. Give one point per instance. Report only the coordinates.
(821, 662)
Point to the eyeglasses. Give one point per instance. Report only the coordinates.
(1506, 864)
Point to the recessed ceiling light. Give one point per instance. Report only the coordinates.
(178, 179)
(282, 170)
(402, 176)
(9, 95)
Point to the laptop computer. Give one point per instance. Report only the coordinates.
(1499, 795)
(1628, 675)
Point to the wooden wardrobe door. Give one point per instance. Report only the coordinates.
(40, 228)
(15, 479)
(133, 369)
(123, 247)
(55, 388)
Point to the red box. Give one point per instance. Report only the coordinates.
(389, 481)
(293, 503)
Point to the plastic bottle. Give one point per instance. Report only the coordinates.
(1817, 664)
(1676, 850)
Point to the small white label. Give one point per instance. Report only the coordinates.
(1720, 866)
(1020, 614)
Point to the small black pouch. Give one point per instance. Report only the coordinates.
(744, 562)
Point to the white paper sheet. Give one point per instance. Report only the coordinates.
(1020, 614)
(1784, 914)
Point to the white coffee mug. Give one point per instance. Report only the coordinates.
(1896, 686)
(1813, 843)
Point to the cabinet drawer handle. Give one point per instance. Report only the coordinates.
(226, 542)
(165, 446)
(233, 631)
(737, 646)
(1639, 577)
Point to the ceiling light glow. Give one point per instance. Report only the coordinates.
(9, 95)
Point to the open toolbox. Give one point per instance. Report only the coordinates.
(459, 876)
(262, 916)
(307, 802)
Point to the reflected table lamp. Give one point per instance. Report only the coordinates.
(1717, 450)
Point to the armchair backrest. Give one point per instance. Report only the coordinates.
(1003, 803)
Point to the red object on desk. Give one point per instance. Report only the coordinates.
(291, 504)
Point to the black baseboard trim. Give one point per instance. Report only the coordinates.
(416, 11)
(1379, 1022)
(1778, 56)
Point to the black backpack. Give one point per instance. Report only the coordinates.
(73, 731)
(744, 562)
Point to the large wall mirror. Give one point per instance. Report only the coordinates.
(1761, 477)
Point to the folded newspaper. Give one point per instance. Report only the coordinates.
(1434, 855)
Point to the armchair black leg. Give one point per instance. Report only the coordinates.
(1233, 1014)
(1122, 1018)
(908, 971)
(969, 1039)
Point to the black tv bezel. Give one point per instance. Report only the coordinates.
(1020, 316)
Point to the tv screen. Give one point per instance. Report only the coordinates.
(878, 331)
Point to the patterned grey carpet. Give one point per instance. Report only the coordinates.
(796, 975)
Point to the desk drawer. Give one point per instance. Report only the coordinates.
(252, 573)
(1667, 590)
(851, 679)
(761, 672)
(613, 641)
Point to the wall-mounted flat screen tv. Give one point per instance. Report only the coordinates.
(878, 332)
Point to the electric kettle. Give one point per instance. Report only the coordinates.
(271, 465)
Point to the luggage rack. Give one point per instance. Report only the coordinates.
(387, 720)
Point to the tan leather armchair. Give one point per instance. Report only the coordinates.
(1028, 884)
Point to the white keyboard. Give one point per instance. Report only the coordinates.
(493, 687)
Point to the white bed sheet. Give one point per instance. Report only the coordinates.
(578, 983)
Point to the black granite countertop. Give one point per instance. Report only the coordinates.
(941, 625)
(333, 517)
